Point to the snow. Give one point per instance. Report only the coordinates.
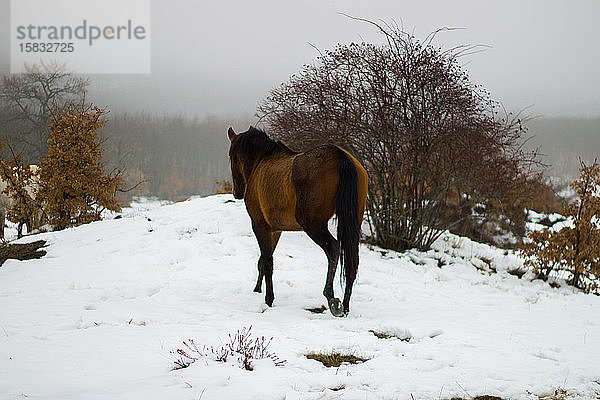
(98, 317)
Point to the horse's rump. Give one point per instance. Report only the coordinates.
(315, 177)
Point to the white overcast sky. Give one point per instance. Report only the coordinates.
(222, 57)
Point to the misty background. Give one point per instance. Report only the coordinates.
(214, 61)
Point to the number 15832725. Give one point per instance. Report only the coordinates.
(46, 47)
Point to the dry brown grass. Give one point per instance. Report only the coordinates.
(335, 359)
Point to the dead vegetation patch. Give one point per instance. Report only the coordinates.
(22, 251)
(386, 335)
(317, 310)
(335, 359)
(518, 272)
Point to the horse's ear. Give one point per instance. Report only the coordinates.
(231, 134)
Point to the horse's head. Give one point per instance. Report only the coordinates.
(236, 161)
(246, 151)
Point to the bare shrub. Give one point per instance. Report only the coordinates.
(434, 144)
(32, 98)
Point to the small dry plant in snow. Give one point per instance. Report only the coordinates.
(241, 346)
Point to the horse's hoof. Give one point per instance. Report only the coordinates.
(335, 306)
(257, 290)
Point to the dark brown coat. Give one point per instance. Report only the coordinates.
(288, 191)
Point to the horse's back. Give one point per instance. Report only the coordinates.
(287, 189)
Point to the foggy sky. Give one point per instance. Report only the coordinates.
(222, 57)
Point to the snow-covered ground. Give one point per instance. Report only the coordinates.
(98, 317)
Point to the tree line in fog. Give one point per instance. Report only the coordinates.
(170, 156)
(563, 140)
(174, 156)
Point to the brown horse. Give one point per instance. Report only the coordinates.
(288, 191)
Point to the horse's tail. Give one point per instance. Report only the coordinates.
(348, 227)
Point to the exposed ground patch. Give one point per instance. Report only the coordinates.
(317, 310)
(335, 359)
(388, 335)
(22, 251)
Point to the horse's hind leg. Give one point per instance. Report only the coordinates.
(274, 239)
(331, 247)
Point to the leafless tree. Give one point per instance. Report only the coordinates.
(29, 100)
(432, 141)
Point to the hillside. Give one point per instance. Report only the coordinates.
(98, 317)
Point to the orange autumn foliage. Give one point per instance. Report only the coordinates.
(75, 189)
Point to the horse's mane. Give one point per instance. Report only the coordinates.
(256, 142)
